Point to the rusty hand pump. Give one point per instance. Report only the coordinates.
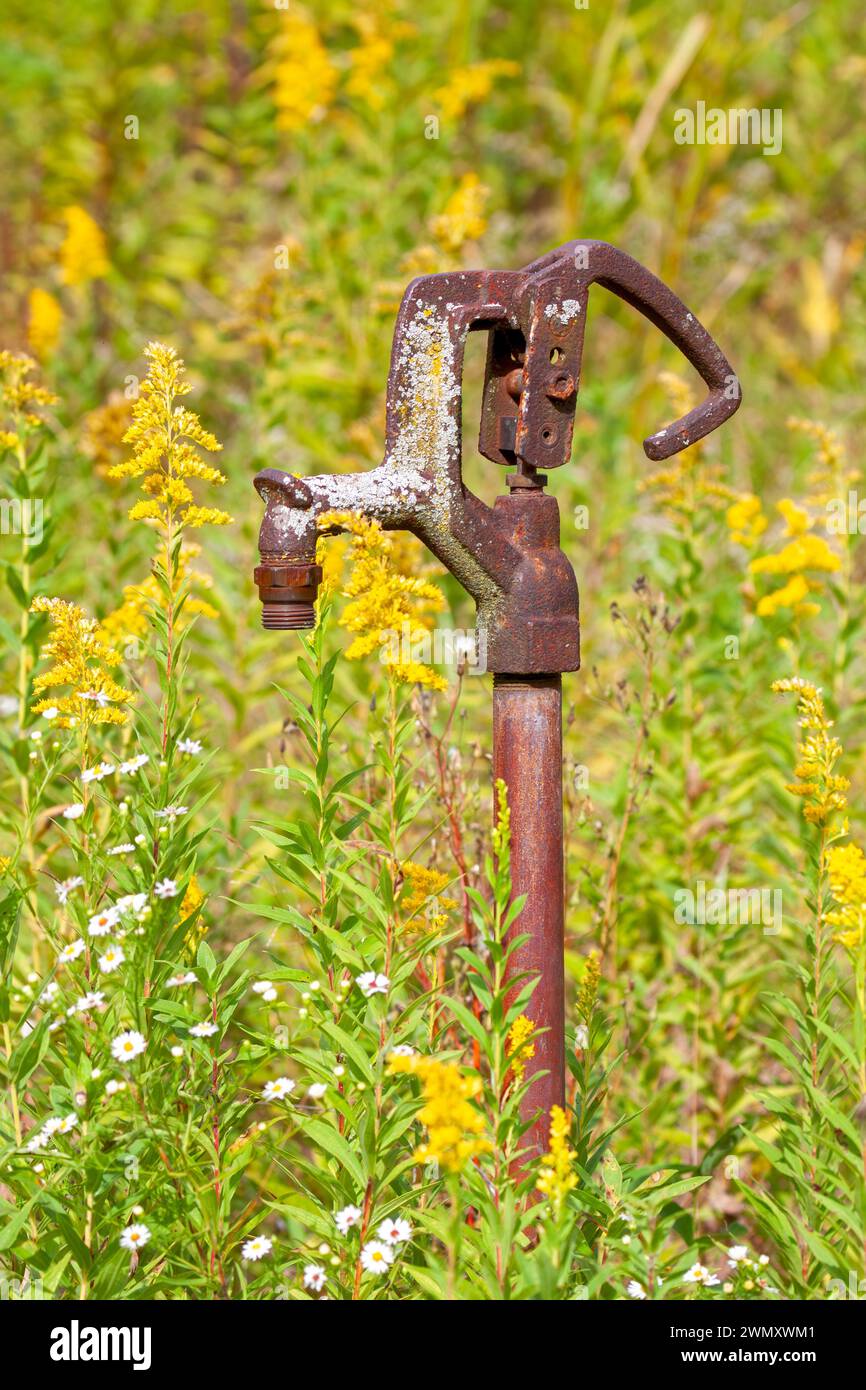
(507, 557)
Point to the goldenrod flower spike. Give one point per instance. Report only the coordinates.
(463, 218)
(83, 255)
(390, 608)
(846, 867)
(80, 656)
(44, 319)
(304, 77)
(822, 791)
(166, 439)
(556, 1176)
(454, 1127)
(519, 1049)
(18, 396)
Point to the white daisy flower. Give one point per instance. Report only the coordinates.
(121, 849)
(177, 1051)
(188, 979)
(278, 1089)
(112, 1087)
(403, 1050)
(102, 922)
(128, 1045)
(70, 952)
(68, 1123)
(52, 1125)
(347, 1218)
(257, 1248)
(166, 888)
(314, 1277)
(203, 1030)
(64, 888)
(37, 1141)
(135, 1236)
(699, 1274)
(189, 745)
(74, 811)
(93, 1000)
(96, 774)
(50, 713)
(132, 902)
(133, 764)
(395, 1231)
(317, 1090)
(50, 992)
(634, 1290)
(737, 1253)
(171, 812)
(376, 1256)
(111, 958)
(370, 983)
(763, 1259)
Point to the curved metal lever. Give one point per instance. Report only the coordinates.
(596, 262)
(638, 286)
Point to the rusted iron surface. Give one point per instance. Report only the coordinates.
(527, 755)
(507, 557)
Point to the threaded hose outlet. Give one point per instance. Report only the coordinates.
(288, 591)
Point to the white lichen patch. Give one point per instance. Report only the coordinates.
(564, 313)
(427, 404)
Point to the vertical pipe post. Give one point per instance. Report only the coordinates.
(527, 756)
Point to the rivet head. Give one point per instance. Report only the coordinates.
(561, 388)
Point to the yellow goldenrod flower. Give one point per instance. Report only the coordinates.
(588, 992)
(791, 595)
(846, 867)
(830, 478)
(390, 608)
(80, 657)
(370, 62)
(19, 396)
(193, 899)
(103, 431)
(44, 318)
(822, 791)
(83, 255)
(804, 552)
(746, 520)
(470, 85)
(454, 1127)
(463, 217)
(422, 884)
(556, 1176)
(519, 1049)
(304, 76)
(165, 439)
(501, 837)
(797, 519)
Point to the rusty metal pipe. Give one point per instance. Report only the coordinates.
(527, 756)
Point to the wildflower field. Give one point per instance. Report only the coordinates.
(256, 1039)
